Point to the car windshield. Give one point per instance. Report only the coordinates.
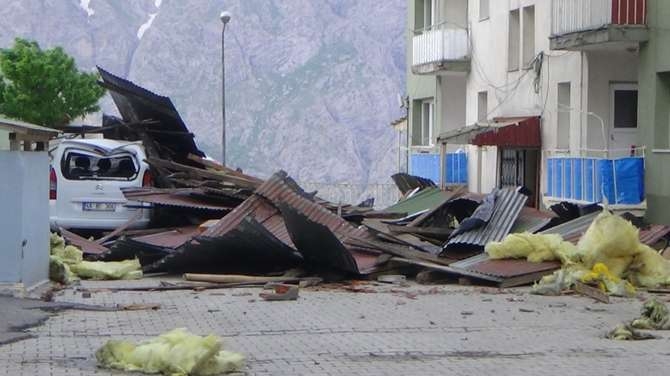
(77, 165)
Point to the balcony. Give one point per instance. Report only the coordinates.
(441, 49)
(580, 24)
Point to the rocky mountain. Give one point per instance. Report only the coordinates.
(311, 84)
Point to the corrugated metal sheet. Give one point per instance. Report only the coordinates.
(531, 220)
(653, 234)
(426, 199)
(169, 239)
(262, 208)
(507, 207)
(136, 104)
(573, 230)
(187, 198)
(525, 133)
(406, 182)
(247, 248)
(507, 273)
(88, 246)
(320, 247)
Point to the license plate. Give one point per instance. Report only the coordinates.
(99, 206)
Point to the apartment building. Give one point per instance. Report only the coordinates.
(539, 93)
(654, 109)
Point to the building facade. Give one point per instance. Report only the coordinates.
(654, 109)
(540, 93)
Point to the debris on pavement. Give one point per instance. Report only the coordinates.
(655, 315)
(177, 353)
(624, 332)
(281, 292)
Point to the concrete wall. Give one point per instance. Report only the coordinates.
(606, 67)
(4, 140)
(653, 113)
(520, 92)
(24, 221)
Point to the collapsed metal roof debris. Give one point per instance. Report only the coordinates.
(506, 209)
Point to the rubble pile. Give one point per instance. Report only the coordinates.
(208, 218)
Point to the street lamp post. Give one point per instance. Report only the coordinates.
(225, 18)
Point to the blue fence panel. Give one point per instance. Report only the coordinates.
(606, 177)
(559, 177)
(456, 168)
(426, 166)
(578, 172)
(567, 181)
(550, 176)
(589, 178)
(629, 179)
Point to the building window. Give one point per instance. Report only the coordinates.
(483, 9)
(528, 35)
(424, 14)
(625, 108)
(513, 41)
(564, 114)
(427, 123)
(482, 106)
(422, 122)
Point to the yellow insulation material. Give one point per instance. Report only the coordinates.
(533, 247)
(66, 264)
(176, 353)
(609, 254)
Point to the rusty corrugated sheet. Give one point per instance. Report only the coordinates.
(136, 103)
(169, 239)
(184, 198)
(507, 206)
(321, 248)
(653, 234)
(87, 246)
(246, 248)
(507, 273)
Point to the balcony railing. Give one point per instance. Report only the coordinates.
(440, 43)
(569, 16)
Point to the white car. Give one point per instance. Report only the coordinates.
(86, 178)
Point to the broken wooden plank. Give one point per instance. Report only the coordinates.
(121, 228)
(87, 246)
(207, 174)
(591, 292)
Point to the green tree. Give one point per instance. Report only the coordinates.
(44, 86)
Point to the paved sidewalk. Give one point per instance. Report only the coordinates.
(446, 330)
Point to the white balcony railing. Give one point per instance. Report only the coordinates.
(569, 16)
(440, 43)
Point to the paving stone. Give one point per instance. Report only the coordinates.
(336, 333)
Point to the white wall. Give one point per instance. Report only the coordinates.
(515, 93)
(24, 220)
(453, 102)
(606, 67)
(4, 140)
